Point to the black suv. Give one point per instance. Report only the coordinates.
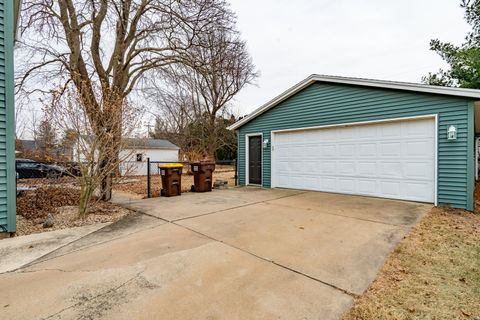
(27, 168)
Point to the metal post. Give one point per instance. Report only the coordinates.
(236, 176)
(149, 193)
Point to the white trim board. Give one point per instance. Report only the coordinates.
(434, 116)
(415, 87)
(247, 177)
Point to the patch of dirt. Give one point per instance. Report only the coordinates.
(434, 273)
(138, 184)
(61, 202)
(67, 217)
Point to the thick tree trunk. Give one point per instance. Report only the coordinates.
(110, 137)
(108, 168)
(212, 140)
(106, 190)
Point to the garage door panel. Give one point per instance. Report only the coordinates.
(418, 170)
(367, 150)
(388, 169)
(283, 168)
(416, 190)
(419, 148)
(328, 183)
(283, 180)
(329, 150)
(330, 135)
(328, 167)
(310, 166)
(346, 168)
(390, 188)
(346, 150)
(418, 129)
(346, 134)
(311, 182)
(367, 132)
(310, 150)
(297, 181)
(346, 185)
(393, 160)
(391, 131)
(367, 168)
(282, 151)
(367, 186)
(390, 149)
(295, 167)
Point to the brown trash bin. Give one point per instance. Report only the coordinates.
(202, 175)
(171, 179)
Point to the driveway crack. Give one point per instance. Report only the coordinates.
(55, 269)
(347, 216)
(49, 256)
(236, 207)
(354, 295)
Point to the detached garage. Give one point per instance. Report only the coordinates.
(365, 137)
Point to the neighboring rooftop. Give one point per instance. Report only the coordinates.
(145, 143)
(407, 86)
(28, 145)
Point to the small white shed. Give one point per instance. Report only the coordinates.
(137, 150)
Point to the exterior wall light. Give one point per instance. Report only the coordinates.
(265, 143)
(452, 132)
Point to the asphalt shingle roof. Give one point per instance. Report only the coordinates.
(145, 143)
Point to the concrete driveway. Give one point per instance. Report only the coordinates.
(233, 254)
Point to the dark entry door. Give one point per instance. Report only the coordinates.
(255, 160)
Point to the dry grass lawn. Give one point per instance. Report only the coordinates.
(433, 274)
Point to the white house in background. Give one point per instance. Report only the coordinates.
(137, 150)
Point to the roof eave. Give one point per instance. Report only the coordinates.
(417, 87)
(150, 148)
(17, 4)
(450, 91)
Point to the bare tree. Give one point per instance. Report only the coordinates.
(90, 146)
(46, 140)
(113, 43)
(227, 68)
(204, 92)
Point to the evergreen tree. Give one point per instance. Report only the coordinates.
(464, 60)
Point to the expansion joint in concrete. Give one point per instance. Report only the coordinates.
(270, 261)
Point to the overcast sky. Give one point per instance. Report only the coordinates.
(379, 39)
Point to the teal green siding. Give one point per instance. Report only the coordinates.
(7, 125)
(326, 103)
(470, 158)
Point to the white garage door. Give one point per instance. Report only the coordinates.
(389, 159)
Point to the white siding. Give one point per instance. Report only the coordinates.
(131, 166)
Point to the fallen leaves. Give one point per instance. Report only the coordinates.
(466, 314)
(38, 203)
